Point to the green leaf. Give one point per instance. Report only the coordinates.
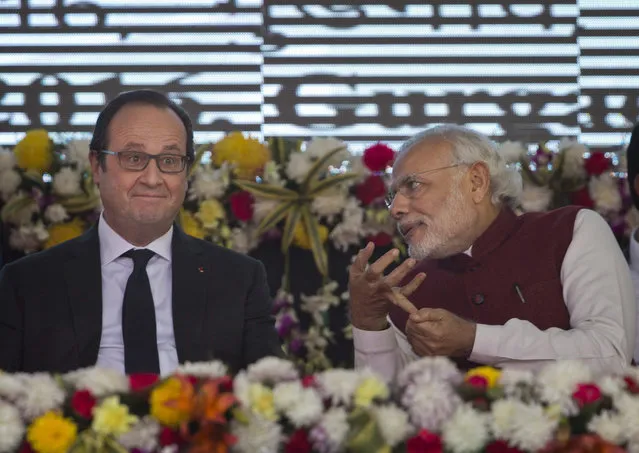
(282, 148)
(289, 228)
(274, 217)
(364, 435)
(269, 191)
(312, 229)
(198, 157)
(325, 184)
(319, 165)
(14, 206)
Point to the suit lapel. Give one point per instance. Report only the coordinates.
(83, 275)
(191, 271)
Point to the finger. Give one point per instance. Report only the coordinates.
(361, 260)
(427, 315)
(398, 274)
(377, 268)
(402, 302)
(410, 288)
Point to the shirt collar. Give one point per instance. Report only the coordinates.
(112, 245)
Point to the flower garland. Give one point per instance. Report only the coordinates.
(270, 407)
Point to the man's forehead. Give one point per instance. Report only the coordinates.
(425, 155)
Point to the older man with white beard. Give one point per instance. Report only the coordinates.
(482, 284)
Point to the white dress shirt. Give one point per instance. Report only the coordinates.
(115, 274)
(598, 293)
(634, 272)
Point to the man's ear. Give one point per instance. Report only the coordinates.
(94, 159)
(479, 181)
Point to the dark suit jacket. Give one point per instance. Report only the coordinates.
(51, 306)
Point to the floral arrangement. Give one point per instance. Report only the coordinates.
(270, 407)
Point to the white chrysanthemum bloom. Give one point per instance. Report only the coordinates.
(535, 198)
(241, 389)
(338, 385)
(263, 207)
(628, 407)
(502, 412)
(98, 381)
(9, 182)
(273, 370)
(28, 238)
(7, 159)
(351, 229)
(24, 215)
(604, 191)
(329, 204)
(608, 426)
(466, 431)
(10, 386)
(429, 369)
(319, 147)
(525, 426)
(66, 182)
(11, 428)
(329, 435)
(41, 394)
(307, 410)
(211, 370)
(573, 155)
(271, 174)
(208, 183)
(393, 423)
(512, 380)
(78, 153)
(320, 303)
(259, 436)
(611, 385)
(298, 166)
(511, 151)
(143, 435)
(243, 240)
(558, 381)
(56, 213)
(430, 403)
(286, 394)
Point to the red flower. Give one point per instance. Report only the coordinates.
(299, 443)
(378, 157)
(169, 436)
(142, 381)
(226, 384)
(581, 197)
(477, 381)
(500, 446)
(373, 188)
(242, 205)
(586, 393)
(380, 239)
(424, 442)
(82, 403)
(596, 164)
(631, 385)
(26, 448)
(308, 381)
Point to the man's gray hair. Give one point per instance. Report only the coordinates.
(469, 147)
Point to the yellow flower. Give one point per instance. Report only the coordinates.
(262, 402)
(112, 418)
(370, 389)
(210, 213)
(301, 239)
(487, 372)
(172, 401)
(52, 433)
(191, 225)
(60, 232)
(33, 152)
(247, 155)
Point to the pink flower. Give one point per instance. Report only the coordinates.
(424, 442)
(586, 394)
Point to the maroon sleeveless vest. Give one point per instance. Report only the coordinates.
(524, 252)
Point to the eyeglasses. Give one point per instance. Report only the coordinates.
(138, 161)
(410, 185)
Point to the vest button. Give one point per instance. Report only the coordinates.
(478, 299)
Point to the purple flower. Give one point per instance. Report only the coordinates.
(285, 325)
(296, 345)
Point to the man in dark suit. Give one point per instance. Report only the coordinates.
(135, 293)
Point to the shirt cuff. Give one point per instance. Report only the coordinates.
(374, 341)
(486, 347)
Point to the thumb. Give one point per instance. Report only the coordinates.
(427, 315)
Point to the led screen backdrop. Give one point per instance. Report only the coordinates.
(361, 72)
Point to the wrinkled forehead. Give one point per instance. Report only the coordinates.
(426, 155)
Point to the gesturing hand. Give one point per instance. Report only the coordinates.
(372, 292)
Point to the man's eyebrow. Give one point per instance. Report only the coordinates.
(134, 145)
(173, 147)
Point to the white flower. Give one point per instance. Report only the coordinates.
(243, 240)
(40, 394)
(271, 174)
(28, 238)
(259, 436)
(7, 159)
(23, 215)
(11, 428)
(208, 183)
(466, 431)
(285, 394)
(272, 369)
(329, 204)
(56, 213)
(306, 410)
(99, 381)
(339, 385)
(608, 426)
(10, 386)
(350, 230)
(143, 435)
(628, 407)
(320, 303)
(430, 404)
(558, 381)
(319, 147)
(535, 198)
(9, 182)
(393, 423)
(241, 389)
(512, 151)
(78, 153)
(525, 426)
(573, 164)
(612, 385)
(329, 435)
(429, 369)
(604, 191)
(263, 207)
(66, 182)
(298, 166)
(212, 370)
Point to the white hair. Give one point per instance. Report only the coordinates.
(469, 147)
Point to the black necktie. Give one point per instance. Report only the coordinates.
(138, 318)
